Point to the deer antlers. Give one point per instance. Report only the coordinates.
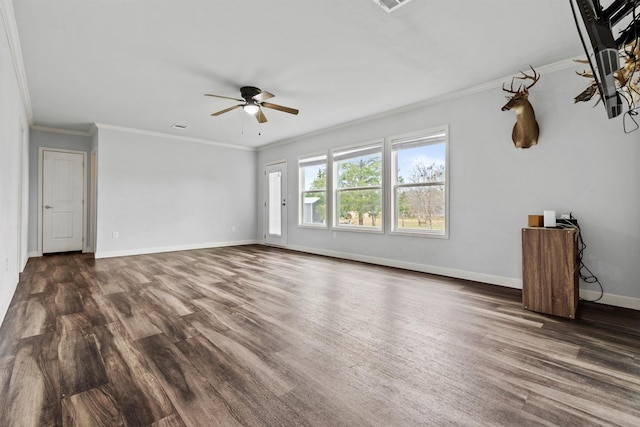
(535, 77)
(525, 132)
(627, 78)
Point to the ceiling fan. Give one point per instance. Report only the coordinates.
(252, 99)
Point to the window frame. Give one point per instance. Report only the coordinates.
(301, 191)
(395, 186)
(342, 151)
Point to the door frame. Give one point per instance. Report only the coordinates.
(265, 212)
(41, 151)
(23, 199)
(93, 202)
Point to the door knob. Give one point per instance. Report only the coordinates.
(48, 207)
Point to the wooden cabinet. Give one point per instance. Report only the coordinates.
(550, 270)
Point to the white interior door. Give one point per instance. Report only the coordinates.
(275, 207)
(62, 201)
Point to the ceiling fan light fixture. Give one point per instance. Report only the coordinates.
(253, 101)
(251, 108)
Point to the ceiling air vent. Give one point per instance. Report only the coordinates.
(391, 5)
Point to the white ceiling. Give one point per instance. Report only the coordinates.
(146, 64)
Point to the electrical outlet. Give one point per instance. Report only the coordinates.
(334, 235)
(115, 235)
(233, 228)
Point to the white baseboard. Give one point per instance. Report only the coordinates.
(609, 299)
(144, 251)
(423, 268)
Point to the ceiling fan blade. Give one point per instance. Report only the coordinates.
(279, 108)
(263, 96)
(227, 110)
(223, 97)
(261, 117)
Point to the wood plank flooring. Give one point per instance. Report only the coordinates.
(260, 336)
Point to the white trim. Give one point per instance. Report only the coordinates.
(93, 202)
(317, 226)
(262, 200)
(612, 299)
(608, 299)
(493, 84)
(171, 136)
(358, 229)
(423, 268)
(33, 255)
(11, 30)
(275, 162)
(332, 186)
(418, 233)
(314, 155)
(301, 191)
(40, 196)
(23, 196)
(161, 249)
(284, 232)
(61, 131)
(392, 190)
(41, 151)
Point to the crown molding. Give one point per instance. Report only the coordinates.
(62, 131)
(493, 84)
(11, 30)
(170, 136)
(95, 126)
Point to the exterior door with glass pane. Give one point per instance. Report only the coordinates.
(275, 206)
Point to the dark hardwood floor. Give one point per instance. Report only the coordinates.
(261, 336)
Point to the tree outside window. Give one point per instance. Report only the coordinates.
(358, 187)
(419, 182)
(313, 190)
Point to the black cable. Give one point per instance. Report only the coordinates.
(630, 114)
(585, 274)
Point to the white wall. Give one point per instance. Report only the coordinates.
(584, 164)
(51, 139)
(14, 178)
(160, 193)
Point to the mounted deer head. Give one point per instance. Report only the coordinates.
(525, 132)
(627, 78)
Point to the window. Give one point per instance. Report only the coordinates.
(419, 182)
(274, 200)
(358, 187)
(313, 190)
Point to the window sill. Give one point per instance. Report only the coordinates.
(358, 229)
(314, 226)
(432, 235)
